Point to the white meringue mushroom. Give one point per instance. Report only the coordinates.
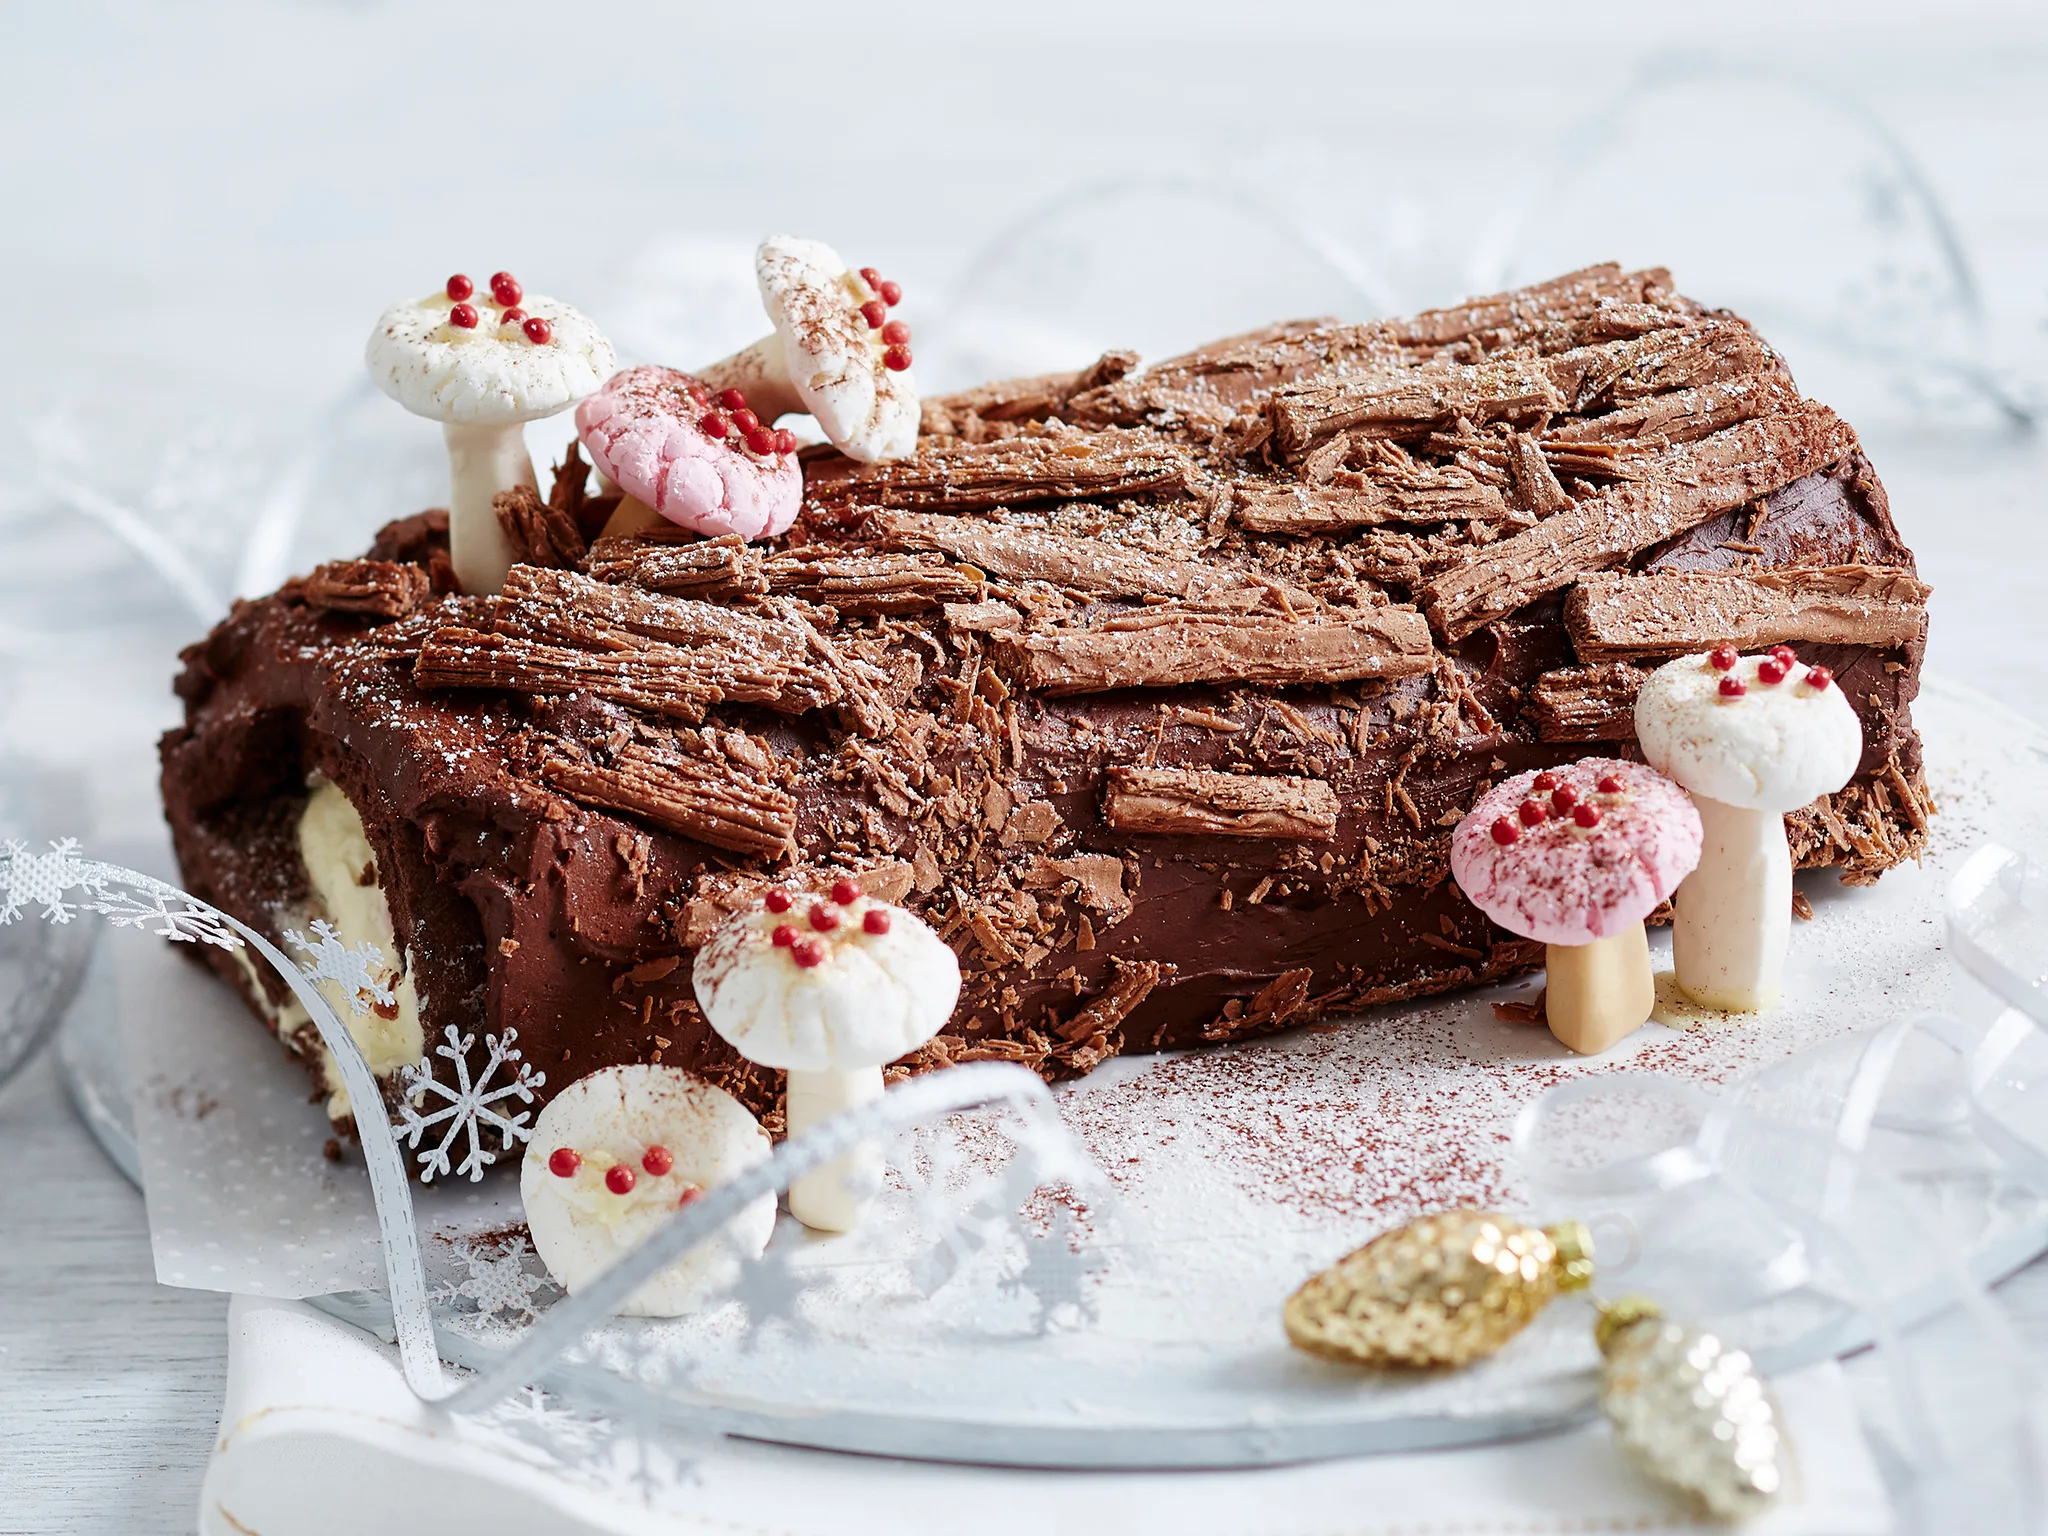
(834, 352)
(1752, 738)
(483, 367)
(614, 1154)
(830, 989)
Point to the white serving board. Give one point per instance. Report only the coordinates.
(1237, 1172)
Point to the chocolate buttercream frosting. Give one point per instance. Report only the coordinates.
(1157, 693)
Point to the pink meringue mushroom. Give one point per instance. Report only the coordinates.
(704, 462)
(1577, 857)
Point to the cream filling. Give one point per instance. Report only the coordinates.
(342, 871)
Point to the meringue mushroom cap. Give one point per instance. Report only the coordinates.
(1775, 748)
(1560, 883)
(479, 376)
(869, 411)
(641, 430)
(869, 1000)
(623, 1111)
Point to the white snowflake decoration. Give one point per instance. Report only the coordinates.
(358, 972)
(45, 880)
(468, 1107)
(497, 1281)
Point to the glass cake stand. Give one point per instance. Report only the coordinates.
(993, 1314)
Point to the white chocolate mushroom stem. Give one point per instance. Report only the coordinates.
(761, 373)
(483, 459)
(1598, 993)
(835, 1197)
(1734, 911)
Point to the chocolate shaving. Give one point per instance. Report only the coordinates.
(1865, 828)
(1586, 703)
(1670, 613)
(383, 589)
(1682, 487)
(1188, 801)
(1168, 646)
(538, 533)
(1536, 487)
(1134, 982)
(710, 570)
(694, 788)
(1050, 463)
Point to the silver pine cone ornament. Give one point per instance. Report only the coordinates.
(1690, 1411)
(1444, 1290)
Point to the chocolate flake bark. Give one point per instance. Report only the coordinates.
(1166, 647)
(1157, 692)
(1669, 613)
(1188, 801)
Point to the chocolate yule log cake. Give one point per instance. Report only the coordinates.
(1157, 693)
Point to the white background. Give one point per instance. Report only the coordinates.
(203, 208)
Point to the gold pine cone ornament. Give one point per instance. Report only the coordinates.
(1690, 1411)
(1443, 1290)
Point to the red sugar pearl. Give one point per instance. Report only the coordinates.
(896, 359)
(713, 424)
(1722, 657)
(1564, 798)
(1586, 815)
(1818, 677)
(698, 394)
(620, 1179)
(732, 399)
(1506, 832)
(463, 315)
(690, 1192)
(785, 440)
(744, 421)
(563, 1161)
(761, 441)
(460, 287)
(1785, 655)
(896, 333)
(1544, 780)
(871, 277)
(538, 331)
(892, 293)
(845, 892)
(776, 900)
(1770, 670)
(512, 316)
(823, 918)
(874, 312)
(1532, 813)
(505, 288)
(1611, 785)
(657, 1160)
(783, 936)
(806, 953)
(876, 921)
(1733, 688)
